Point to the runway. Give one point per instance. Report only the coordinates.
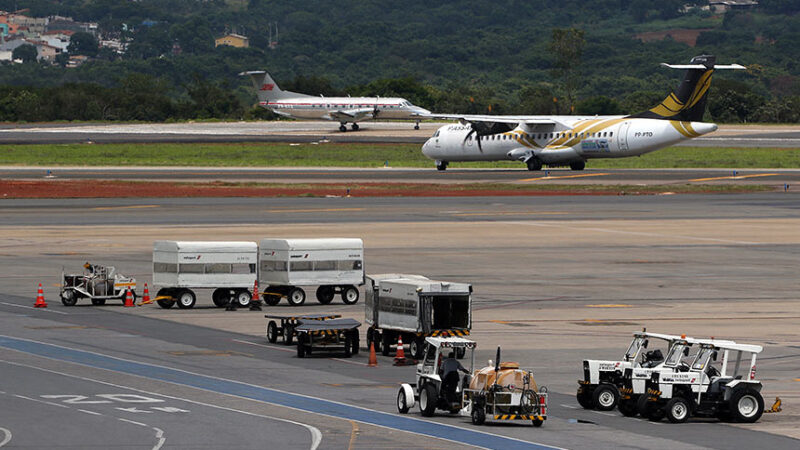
(556, 279)
(296, 131)
(632, 177)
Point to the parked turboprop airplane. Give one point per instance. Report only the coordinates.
(341, 109)
(571, 140)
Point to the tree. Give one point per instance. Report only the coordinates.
(567, 46)
(599, 105)
(82, 43)
(26, 52)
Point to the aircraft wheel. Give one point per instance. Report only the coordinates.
(534, 164)
(441, 165)
(577, 165)
(342, 128)
(355, 127)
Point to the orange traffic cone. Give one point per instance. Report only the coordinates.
(146, 296)
(129, 299)
(256, 296)
(40, 303)
(400, 357)
(373, 359)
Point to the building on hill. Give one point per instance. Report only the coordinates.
(34, 25)
(66, 23)
(58, 38)
(723, 6)
(234, 40)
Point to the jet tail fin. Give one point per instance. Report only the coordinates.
(266, 88)
(688, 102)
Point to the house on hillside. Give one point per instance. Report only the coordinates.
(44, 50)
(233, 40)
(34, 25)
(723, 6)
(58, 38)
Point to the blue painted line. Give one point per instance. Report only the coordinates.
(289, 400)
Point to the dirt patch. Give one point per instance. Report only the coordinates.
(683, 35)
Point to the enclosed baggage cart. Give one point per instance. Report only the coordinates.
(327, 335)
(288, 323)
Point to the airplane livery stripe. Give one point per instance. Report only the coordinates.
(700, 89)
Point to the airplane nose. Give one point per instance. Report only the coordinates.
(704, 128)
(426, 148)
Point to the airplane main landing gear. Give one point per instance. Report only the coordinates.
(534, 164)
(577, 165)
(441, 165)
(416, 126)
(355, 127)
(342, 128)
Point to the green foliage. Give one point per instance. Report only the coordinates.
(25, 52)
(598, 105)
(82, 43)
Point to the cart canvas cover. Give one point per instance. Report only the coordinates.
(295, 262)
(204, 264)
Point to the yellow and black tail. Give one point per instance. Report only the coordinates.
(688, 102)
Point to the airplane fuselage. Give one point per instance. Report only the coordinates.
(336, 108)
(572, 139)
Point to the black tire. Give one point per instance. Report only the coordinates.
(272, 300)
(301, 348)
(69, 298)
(355, 343)
(427, 400)
(354, 127)
(746, 405)
(538, 423)
(272, 332)
(98, 301)
(325, 294)
(678, 410)
(534, 164)
(402, 404)
(166, 304)
(441, 165)
(288, 335)
(186, 299)
(220, 297)
(296, 296)
(577, 165)
(649, 410)
(478, 415)
(243, 298)
(348, 346)
(605, 397)
(628, 408)
(415, 347)
(385, 344)
(350, 295)
(584, 399)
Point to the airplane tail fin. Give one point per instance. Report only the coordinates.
(266, 88)
(688, 102)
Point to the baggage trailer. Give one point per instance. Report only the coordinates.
(97, 283)
(335, 265)
(414, 307)
(181, 267)
(289, 323)
(327, 335)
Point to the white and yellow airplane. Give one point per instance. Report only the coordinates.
(571, 140)
(341, 109)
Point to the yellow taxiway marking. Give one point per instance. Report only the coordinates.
(104, 208)
(609, 306)
(355, 431)
(313, 210)
(510, 213)
(566, 176)
(737, 177)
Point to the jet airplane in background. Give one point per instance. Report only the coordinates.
(571, 140)
(341, 109)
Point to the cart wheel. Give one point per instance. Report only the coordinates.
(478, 415)
(427, 400)
(628, 408)
(301, 348)
(272, 332)
(402, 404)
(68, 298)
(415, 348)
(605, 397)
(325, 294)
(288, 335)
(746, 405)
(385, 344)
(166, 304)
(220, 297)
(677, 410)
(272, 300)
(356, 341)
(98, 301)
(584, 399)
(243, 298)
(348, 343)
(537, 423)
(349, 295)
(296, 296)
(186, 299)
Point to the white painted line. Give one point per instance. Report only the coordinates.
(272, 347)
(569, 406)
(31, 307)
(131, 421)
(41, 401)
(350, 362)
(94, 413)
(316, 435)
(7, 437)
(160, 437)
(605, 413)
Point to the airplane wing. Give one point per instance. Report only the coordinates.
(488, 124)
(352, 114)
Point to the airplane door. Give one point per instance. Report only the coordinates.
(622, 136)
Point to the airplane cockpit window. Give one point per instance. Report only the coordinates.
(436, 134)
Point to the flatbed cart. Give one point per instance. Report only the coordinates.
(328, 335)
(97, 283)
(289, 323)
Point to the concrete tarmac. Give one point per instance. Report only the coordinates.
(557, 279)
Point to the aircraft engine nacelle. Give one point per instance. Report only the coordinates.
(520, 154)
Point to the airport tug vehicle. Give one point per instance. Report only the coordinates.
(502, 392)
(97, 283)
(435, 389)
(602, 380)
(708, 387)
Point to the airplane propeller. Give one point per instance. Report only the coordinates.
(375, 110)
(480, 129)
